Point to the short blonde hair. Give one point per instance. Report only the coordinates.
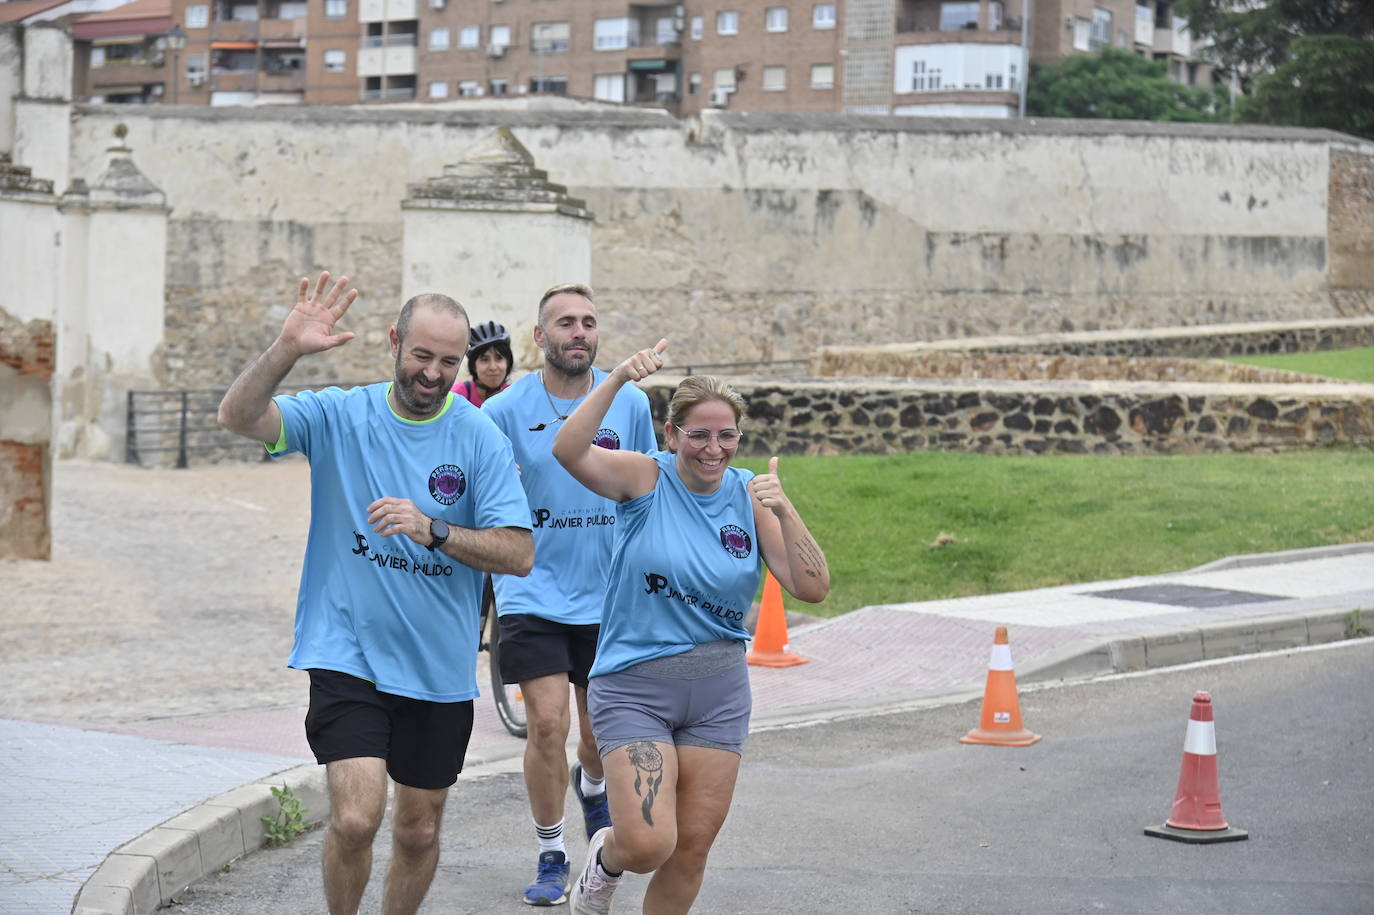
(700, 389)
(581, 289)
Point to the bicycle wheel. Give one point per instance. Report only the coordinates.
(510, 704)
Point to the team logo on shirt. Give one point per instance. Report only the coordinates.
(606, 438)
(736, 541)
(447, 483)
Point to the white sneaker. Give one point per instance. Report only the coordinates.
(591, 893)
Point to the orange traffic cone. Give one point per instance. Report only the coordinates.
(1196, 817)
(1000, 723)
(770, 636)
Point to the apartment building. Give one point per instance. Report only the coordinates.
(906, 57)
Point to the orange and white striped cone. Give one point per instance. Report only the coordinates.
(1196, 816)
(1000, 722)
(771, 648)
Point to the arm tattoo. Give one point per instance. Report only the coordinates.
(648, 763)
(810, 555)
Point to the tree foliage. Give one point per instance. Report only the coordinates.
(1306, 63)
(1121, 85)
(1326, 81)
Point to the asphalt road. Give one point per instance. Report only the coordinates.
(891, 814)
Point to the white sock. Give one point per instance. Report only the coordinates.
(592, 787)
(551, 837)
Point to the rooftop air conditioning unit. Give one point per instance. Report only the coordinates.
(496, 50)
(719, 98)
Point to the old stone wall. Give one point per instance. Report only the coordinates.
(27, 353)
(1161, 353)
(1351, 220)
(1005, 417)
(754, 237)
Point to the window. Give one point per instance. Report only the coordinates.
(499, 87)
(823, 16)
(727, 22)
(469, 36)
(1101, 34)
(775, 19)
(822, 76)
(438, 89)
(693, 84)
(500, 35)
(774, 79)
(609, 87)
(555, 84)
(335, 9)
(666, 30)
(924, 78)
(1082, 32)
(615, 34)
(696, 28)
(289, 9)
(197, 17)
(335, 61)
(195, 65)
(438, 41)
(469, 88)
(954, 16)
(725, 78)
(549, 38)
(242, 12)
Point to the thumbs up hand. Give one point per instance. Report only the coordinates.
(767, 488)
(643, 363)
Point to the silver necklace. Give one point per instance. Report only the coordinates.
(560, 416)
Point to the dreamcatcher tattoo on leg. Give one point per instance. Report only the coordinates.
(648, 763)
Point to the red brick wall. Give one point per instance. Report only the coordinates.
(26, 367)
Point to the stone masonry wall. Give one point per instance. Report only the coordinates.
(753, 237)
(991, 417)
(27, 351)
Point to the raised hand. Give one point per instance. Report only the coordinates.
(309, 328)
(767, 489)
(643, 363)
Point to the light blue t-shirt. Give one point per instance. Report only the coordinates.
(573, 527)
(684, 570)
(386, 608)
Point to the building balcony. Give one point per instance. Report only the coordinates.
(914, 35)
(126, 73)
(282, 81)
(221, 30)
(388, 60)
(1175, 41)
(282, 29)
(235, 80)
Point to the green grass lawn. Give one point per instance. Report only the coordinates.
(1032, 522)
(1350, 364)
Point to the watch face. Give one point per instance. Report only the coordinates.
(439, 529)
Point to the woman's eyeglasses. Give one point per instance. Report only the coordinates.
(700, 438)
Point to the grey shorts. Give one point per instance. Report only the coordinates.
(700, 699)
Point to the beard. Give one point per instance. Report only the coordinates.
(419, 402)
(556, 357)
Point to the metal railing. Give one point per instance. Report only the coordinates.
(163, 427)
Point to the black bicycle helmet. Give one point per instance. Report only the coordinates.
(487, 333)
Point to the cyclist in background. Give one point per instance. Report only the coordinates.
(489, 363)
(550, 621)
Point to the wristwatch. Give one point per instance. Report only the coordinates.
(439, 531)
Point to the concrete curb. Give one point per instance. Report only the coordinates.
(142, 875)
(1250, 560)
(1187, 644)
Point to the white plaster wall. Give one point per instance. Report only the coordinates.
(497, 264)
(127, 293)
(29, 232)
(11, 81)
(43, 140)
(47, 63)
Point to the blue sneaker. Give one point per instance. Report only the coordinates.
(550, 886)
(596, 810)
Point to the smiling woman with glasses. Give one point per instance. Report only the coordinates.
(669, 694)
